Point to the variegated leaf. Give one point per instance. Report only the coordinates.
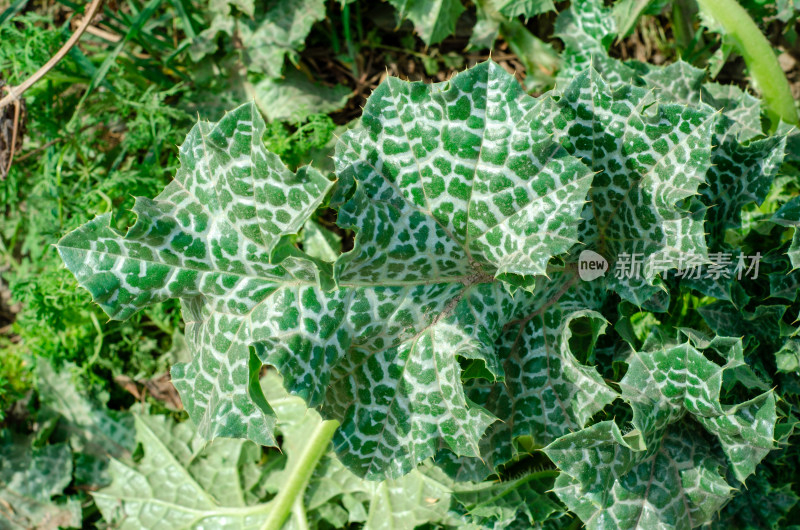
(664, 386)
(457, 196)
(740, 174)
(453, 186)
(647, 158)
(609, 482)
(588, 29)
(679, 81)
(666, 472)
(738, 106)
(550, 390)
(213, 239)
(32, 483)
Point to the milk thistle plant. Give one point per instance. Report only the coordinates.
(459, 334)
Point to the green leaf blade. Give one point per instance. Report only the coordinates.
(433, 21)
(648, 158)
(210, 238)
(431, 295)
(611, 485)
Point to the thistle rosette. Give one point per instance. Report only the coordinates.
(458, 198)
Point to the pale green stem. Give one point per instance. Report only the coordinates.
(757, 53)
(317, 445)
(299, 514)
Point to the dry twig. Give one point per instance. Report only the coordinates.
(14, 93)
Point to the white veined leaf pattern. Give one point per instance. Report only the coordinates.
(739, 106)
(666, 471)
(32, 484)
(679, 81)
(467, 162)
(452, 185)
(212, 238)
(736, 369)
(449, 330)
(740, 175)
(609, 483)
(663, 386)
(458, 198)
(742, 169)
(552, 392)
(588, 29)
(548, 391)
(648, 157)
